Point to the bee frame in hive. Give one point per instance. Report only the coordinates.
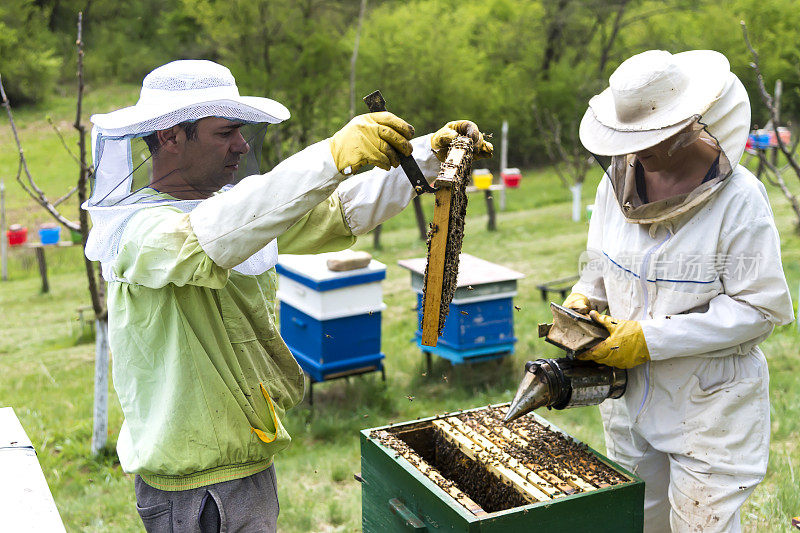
(464, 472)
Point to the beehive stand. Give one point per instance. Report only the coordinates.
(445, 238)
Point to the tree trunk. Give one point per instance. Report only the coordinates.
(554, 31)
(100, 426)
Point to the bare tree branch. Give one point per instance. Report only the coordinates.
(63, 141)
(781, 184)
(772, 168)
(767, 98)
(647, 14)
(571, 165)
(609, 43)
(30, 187)
(66, 196)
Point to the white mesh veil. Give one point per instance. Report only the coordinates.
(124, 180)
(123, 184)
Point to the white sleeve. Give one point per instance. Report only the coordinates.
(591, 262)
(370, 198)
(756, 299)
(235, 224)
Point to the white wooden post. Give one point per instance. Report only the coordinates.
(576, 201)
(4, 242)
(503, 163)
(100, 431)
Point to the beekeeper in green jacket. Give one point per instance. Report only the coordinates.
(187, 231)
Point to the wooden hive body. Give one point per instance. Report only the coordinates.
(455, 473)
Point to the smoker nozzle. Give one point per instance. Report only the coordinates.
(533, 392)
(563, 383)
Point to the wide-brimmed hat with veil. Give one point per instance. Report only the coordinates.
(654, 96)
(123, 182)
(651, 97)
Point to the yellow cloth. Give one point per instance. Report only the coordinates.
(625, 346)
(371, 139)
(578, 302)
(441, 140)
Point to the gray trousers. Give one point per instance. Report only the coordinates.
(243, 505)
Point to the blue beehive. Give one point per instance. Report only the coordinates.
(480, 324)
(331, 321)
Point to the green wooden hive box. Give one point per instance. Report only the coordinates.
(466, 471)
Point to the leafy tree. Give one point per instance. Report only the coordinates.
(291, 51)
(29, 64)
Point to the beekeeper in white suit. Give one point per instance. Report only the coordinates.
(684, 255)
(202, 375)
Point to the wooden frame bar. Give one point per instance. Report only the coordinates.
(435, 270)
(508, 476)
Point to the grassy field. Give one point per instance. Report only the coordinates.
(47, 370)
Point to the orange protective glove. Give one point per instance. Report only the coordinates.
(625, 346)
(578, 302)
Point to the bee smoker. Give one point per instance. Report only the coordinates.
(563, 383)
(567, 382)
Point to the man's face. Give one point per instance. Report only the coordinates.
(210, 161)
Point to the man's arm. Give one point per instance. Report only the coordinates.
(358, 205)
(373, 197)
(755, 300)
(234, 225)
(323, 229)
(591, 281)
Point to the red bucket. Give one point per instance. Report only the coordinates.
(511, 177)
(16, 234)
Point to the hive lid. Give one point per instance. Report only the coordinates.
(312, 271)
(12, 435)
(471, 270)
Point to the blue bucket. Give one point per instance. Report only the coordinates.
(761, 141)
(49, 235)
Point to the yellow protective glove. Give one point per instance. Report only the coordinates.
(578, 302)
(441, 140)
(371, 139)
(625, 346)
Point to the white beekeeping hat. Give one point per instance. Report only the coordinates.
(123, 181)
(651, 97)
(184, 91)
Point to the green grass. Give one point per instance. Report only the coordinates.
(48, 375)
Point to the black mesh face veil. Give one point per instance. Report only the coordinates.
(604, 161)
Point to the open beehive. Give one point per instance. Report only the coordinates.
(467, 471)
